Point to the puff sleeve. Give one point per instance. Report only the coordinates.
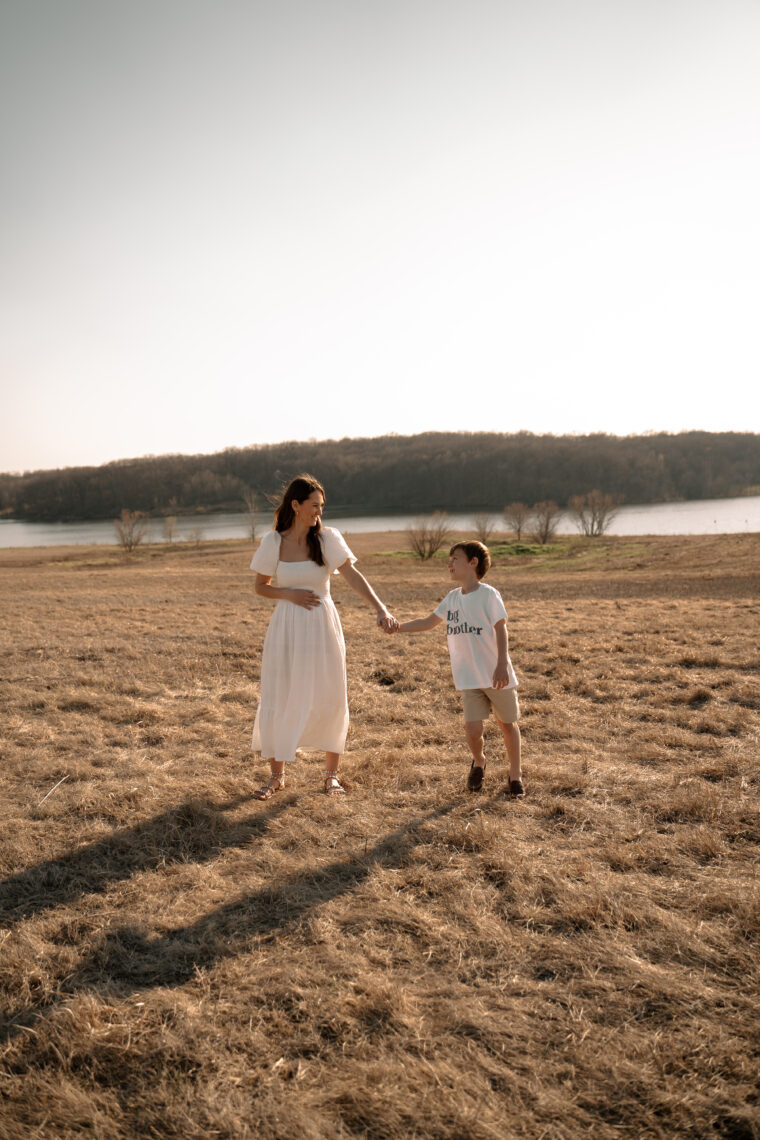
(335, 548)
(267, 556)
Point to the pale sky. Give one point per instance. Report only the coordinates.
(236, 222)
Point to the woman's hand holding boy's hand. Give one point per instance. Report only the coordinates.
(387, 622)
(500, 676)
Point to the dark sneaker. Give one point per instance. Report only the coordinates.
(475, 778)
(516, 788)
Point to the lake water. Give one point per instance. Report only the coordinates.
(708, 516)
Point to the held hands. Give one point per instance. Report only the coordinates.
(387, 622)
(307, 599)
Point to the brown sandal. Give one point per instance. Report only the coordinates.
(273, 784)
(333, 786)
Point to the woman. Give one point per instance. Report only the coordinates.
(303, 669)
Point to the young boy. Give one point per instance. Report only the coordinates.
(476, 626)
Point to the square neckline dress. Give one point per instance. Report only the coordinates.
(303, 696)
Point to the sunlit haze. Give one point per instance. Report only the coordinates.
(237, 222)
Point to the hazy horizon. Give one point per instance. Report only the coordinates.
(235, 221)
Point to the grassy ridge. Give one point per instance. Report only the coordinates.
(180, 960)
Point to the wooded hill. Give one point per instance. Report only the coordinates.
(454, 471)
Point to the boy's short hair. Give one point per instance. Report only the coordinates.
(475, 549)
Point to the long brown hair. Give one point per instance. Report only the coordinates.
(284, 516)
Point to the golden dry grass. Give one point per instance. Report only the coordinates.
(178, 960)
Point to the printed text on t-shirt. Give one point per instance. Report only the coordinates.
(463, 627)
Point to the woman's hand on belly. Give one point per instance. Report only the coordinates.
(307, 599)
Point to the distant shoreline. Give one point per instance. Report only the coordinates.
(696, 517)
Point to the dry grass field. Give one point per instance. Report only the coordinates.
(180, 960)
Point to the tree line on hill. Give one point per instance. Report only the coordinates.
(453, 471)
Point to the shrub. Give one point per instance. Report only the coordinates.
(131, 528)
(485, 528)
(545, 519)
(250, 499)
(516, 516)
(593, 512)
(427, 534)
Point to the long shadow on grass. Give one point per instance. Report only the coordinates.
(127, 959)
(192, 832)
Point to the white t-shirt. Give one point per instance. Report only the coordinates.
(470, 620)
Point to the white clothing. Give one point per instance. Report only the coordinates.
(470, 620)
(303, 701)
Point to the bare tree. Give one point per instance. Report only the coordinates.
(169, 527)
(427, 534)
(195, 535)
(593, 512)
(516, 516)
(131, 528)
(485, 527)
(545, 520)
(251, 499)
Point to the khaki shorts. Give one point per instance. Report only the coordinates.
(477, 704)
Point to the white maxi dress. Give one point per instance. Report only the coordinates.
(303, 701)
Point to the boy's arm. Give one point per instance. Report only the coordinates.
(500, 673)
(419, 625)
